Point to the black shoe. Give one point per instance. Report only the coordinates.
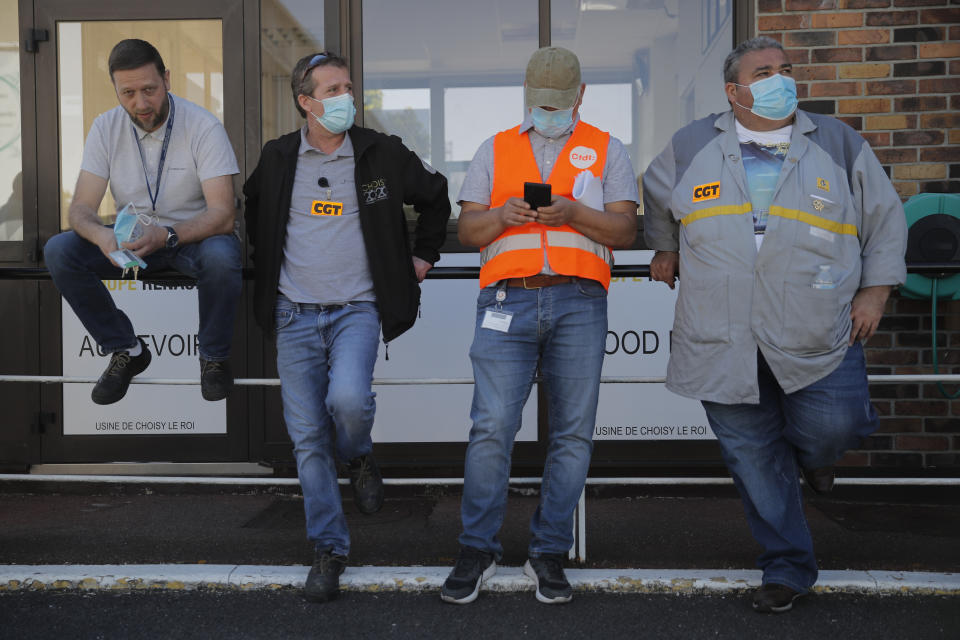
(113, 384)
(774, 598)
(323, 581)
(547, 572)
(367, 484)
(216, 379)
(819, 480)
(472, 568)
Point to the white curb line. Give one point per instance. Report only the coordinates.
(14, 578)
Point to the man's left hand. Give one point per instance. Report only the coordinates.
(866, 311)
(559, 213)
(421, 267)
(153, 239)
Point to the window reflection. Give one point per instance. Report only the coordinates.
(446, 74)
(11, 165)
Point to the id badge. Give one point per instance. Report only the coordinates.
(497, 320)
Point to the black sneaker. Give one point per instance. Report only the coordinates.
(547, 572)
(774, 598)
(216, 379)
(367, 484)
(323, 581)
(113, 384)
(472, 568)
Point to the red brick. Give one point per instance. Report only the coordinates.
(941, 425)
(854, 459)
(920, 103)
(887, 87)
(837, 20)
(890, 18)
(863, 36)
(864, 105)
(921, 443)
(769, 6)
(939, 16)
(891, 52)
(921, 408)
(841, 54)
(826, 89)
(894, 156)
(900, 425)
(940, 154)
(877, 139)
(939, 85)
(940, 120)
(955, 67)
(798, 56)
(810, 5)
(954, 33)
(810, 38)
(802, 91)
(895, 356)
(852, 121)
(940, 50)
(917, 3)
(916, 138)
(783, 23)
(818, 72)
(864, 4)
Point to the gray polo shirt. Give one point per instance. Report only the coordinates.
(619, 181)
(198, 150)
(324, 258)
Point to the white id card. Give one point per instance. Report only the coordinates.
(497, 320)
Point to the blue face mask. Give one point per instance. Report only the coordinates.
(127, 227)
(338, 113)
(774, 98)
(551, 124)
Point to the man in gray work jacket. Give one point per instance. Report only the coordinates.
(789, 238)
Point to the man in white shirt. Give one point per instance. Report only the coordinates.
(172, 161)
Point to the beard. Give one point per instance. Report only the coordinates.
(156, 121)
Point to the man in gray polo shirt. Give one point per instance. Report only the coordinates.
(334, 268)
(171, 160)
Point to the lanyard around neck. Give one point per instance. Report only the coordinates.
(163, 154)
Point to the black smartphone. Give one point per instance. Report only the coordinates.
(536, 194)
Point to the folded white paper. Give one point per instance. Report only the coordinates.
(588, 190)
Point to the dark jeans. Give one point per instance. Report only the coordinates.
(78, 269)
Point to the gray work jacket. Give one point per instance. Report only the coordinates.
(833, 206)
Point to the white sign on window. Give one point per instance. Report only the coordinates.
(166, 317)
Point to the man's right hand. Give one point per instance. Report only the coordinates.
(664, 267)
(516, 212)
(107, 242)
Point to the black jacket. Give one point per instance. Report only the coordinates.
(406, 179)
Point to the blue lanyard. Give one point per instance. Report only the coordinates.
(163, 154)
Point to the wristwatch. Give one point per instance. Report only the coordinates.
(172, 238)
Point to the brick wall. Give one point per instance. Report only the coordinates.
(890, 69)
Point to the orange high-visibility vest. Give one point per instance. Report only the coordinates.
(519, 251)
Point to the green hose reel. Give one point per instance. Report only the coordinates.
(933, 222)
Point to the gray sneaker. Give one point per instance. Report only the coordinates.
(472, 568)
(547, 572)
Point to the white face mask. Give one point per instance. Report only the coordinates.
(338, 113)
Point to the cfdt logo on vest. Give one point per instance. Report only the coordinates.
(582, 157)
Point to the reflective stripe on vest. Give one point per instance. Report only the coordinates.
(519, 251)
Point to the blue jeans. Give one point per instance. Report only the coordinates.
(765, 446)
(564, 327)
(325, 358)
(78, 268)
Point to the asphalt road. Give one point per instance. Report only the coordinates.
(284, 614)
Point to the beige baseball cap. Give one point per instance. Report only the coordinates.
(553, 78)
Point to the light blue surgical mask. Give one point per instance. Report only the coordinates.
(127, 227)
(551, 124)
(774, 98)
(338, 113)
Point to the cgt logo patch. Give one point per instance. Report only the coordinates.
(709, 191)
(321, 208)
(374, 190)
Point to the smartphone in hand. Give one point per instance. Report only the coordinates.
(536, 194)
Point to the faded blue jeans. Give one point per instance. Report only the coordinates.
(766, 444)
(564, 327)
(78, 268)
(325, 358)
